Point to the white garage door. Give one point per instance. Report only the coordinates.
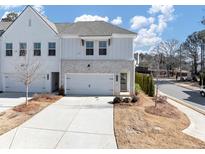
(89, 84)
(13, 84)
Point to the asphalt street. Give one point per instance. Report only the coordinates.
(192, 97)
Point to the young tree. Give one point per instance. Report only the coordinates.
(27, 72)
(158, 60)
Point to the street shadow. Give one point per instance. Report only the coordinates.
(195, 97)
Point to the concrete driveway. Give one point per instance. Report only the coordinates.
(9, 100)
(72, 122)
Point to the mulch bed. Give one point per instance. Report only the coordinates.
(136, 128)
(12, 118)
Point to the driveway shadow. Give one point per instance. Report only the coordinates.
(14, 95)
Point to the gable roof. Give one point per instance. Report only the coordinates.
(81, 28)
(91, 28)
(49, 23)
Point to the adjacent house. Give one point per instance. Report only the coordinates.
(86, 58)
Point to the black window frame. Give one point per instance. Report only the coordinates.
(51, 50)
(9, 52)
(89, 49)
(36, 50)
(103, 49)
(22, 52)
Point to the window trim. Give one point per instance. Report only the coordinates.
(102, 48)
(9, 49)
(34, 49)
(51, 49)
(22, 49)
(89, 48)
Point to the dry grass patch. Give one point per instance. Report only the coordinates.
(135, 128)
(14, 117)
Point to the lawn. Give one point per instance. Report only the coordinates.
(14, 117)
(135, 128)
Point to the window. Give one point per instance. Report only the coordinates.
(102, 47)
(9, 48)
(37, 49)
(51, 48)
(23, 47)
(89, 48)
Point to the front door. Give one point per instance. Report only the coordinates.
(54, 81)
(123, 82)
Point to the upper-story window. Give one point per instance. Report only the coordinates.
(89, 48)
(37, 49)
(23, 49)
(51, 48)
(9, 49)
(102, 47)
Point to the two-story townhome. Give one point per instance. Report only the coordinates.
(86, 58)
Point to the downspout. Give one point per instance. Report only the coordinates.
(60, 64)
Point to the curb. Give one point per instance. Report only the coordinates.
(184, 86)
(184, 103)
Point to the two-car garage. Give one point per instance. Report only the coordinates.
(89, 84)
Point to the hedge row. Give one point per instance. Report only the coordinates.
(146, 83)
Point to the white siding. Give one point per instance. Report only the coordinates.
(39, 31)
(119, 49)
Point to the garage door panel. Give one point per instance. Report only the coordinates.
(89, 84)
(13, 84)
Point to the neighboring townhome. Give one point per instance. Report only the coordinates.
(86, 58)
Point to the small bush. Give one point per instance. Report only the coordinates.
(126, 100)
(117, 100)
(161, 99)
(134, 99)
(61, 91)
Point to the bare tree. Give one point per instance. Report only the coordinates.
(27, 72)
(10, 17)
(169, 49)
(191, 45)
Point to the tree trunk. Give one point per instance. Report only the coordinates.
(157, 85)
(195, 66)
(26, 94)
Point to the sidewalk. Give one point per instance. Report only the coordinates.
(186, 85)
(197, 120)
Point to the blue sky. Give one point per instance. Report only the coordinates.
(177, 21)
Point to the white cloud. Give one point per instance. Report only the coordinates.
(151, 28)
(117, 21)
(140, 22)
(39, 8)
(87, 17)
(8, 7)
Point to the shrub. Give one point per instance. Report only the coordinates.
(145, 82)
(126, 100)
(61, 91)
(137, 88)
(117, 100)
(151, 87)
(134, 99)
